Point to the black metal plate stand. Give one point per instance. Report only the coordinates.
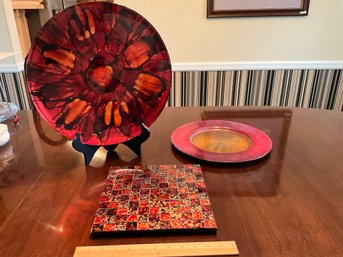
(89, 150)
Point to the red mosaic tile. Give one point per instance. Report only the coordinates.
(154, 198)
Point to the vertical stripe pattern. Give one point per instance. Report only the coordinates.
(13, 89)
(322, 89)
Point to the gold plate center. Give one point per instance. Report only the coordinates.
(221, 141)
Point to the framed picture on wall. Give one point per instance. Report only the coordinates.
(247, 8)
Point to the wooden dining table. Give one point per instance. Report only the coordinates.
(287, 203)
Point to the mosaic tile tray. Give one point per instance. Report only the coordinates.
(154, 198)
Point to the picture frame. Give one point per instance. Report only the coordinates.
(255, 8)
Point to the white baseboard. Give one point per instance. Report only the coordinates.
(11, 68)
(273, 65)
(11, 62)
(218, 66)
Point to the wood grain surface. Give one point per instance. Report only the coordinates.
(288, 203)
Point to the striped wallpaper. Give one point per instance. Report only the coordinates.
(321, 89)
(13, 89)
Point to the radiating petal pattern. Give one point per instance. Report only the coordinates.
(98, 70)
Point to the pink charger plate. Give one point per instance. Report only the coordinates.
(221, 141)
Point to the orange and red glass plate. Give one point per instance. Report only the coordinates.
(98, 71)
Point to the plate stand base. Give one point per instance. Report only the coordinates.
(134, 144)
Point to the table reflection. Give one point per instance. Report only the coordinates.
(260, 177)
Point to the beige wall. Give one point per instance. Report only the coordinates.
(10, 51)
(190, 37)
(9, 38)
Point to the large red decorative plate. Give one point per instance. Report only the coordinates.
(221, 141)
(99, 70)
